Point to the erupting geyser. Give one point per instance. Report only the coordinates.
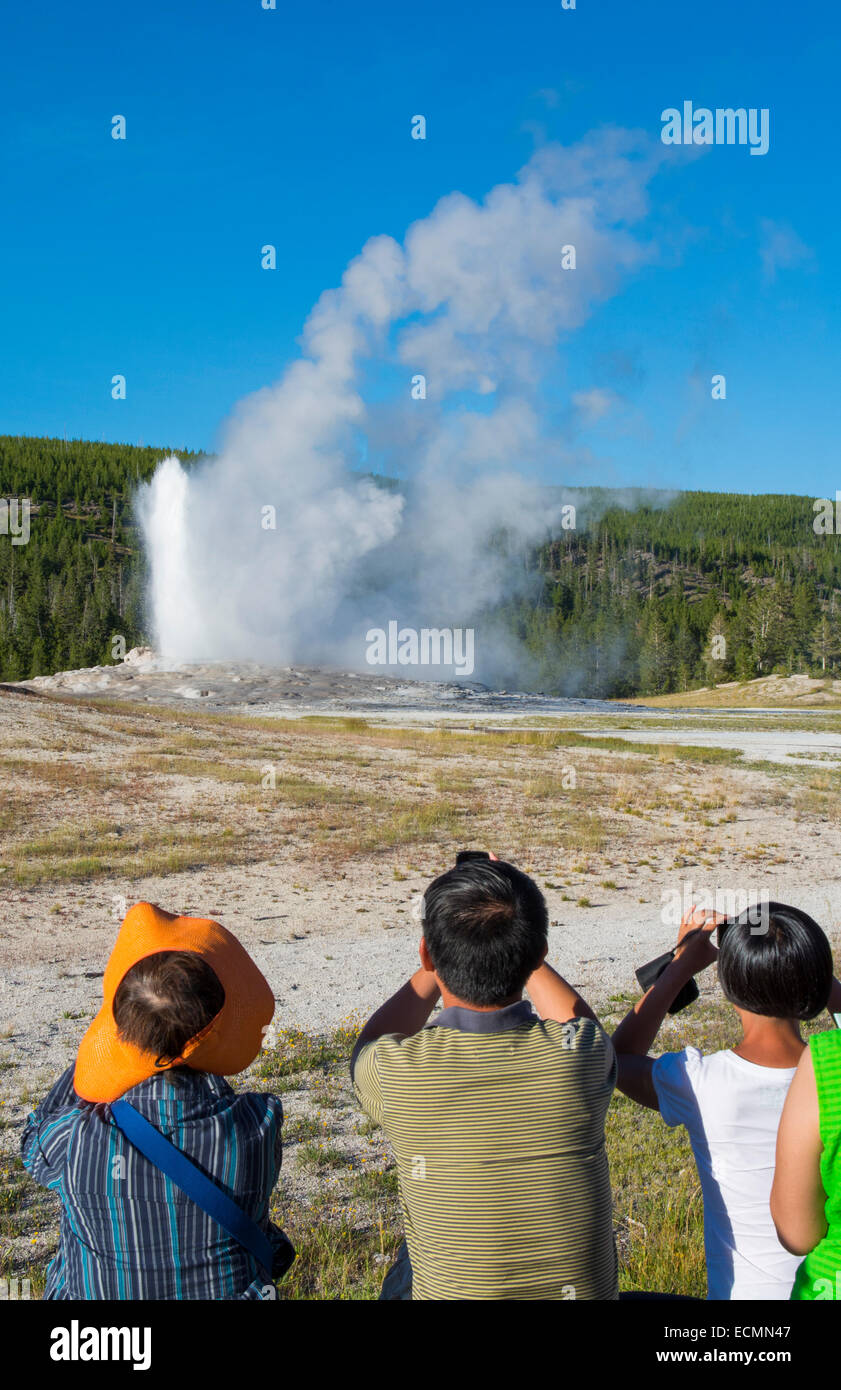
(277, 551)
(174, 602)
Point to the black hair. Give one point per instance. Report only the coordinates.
(164, 1000)
(774, 960)
(485, 925)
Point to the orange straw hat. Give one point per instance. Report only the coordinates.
(107, 1067)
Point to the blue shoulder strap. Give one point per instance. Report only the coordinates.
(184, 1173)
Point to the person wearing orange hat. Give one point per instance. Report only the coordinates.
(164, 1172)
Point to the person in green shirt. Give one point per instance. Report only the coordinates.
(806, 1195)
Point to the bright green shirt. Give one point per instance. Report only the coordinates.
(819, 1276)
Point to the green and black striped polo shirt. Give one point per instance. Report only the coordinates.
(497, 1124)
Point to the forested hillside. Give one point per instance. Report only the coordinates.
(80, 579)
(712, 587)
(639, 599)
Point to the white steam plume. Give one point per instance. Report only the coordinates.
(476, 300)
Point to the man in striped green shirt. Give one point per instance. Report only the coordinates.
(495, 1112)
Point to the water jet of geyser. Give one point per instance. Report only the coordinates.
(164, 515)
(275, 551)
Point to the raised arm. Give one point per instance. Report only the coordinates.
(638, 1029)
(694, 952)
(554, 998)
(405, 1012)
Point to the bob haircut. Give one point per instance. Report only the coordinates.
(485, 925)
(779, 965)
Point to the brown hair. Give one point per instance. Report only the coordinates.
(166, 999)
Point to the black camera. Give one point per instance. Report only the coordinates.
(649, 973)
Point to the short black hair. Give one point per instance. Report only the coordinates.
(164, 1000)
(774, 960)
(485, 926)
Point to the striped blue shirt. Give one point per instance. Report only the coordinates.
(126, 1230)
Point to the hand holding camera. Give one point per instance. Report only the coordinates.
(695, 946)
(694, 941)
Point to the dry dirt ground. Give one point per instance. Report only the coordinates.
(312, 839)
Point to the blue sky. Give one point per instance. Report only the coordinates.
(291, 126)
